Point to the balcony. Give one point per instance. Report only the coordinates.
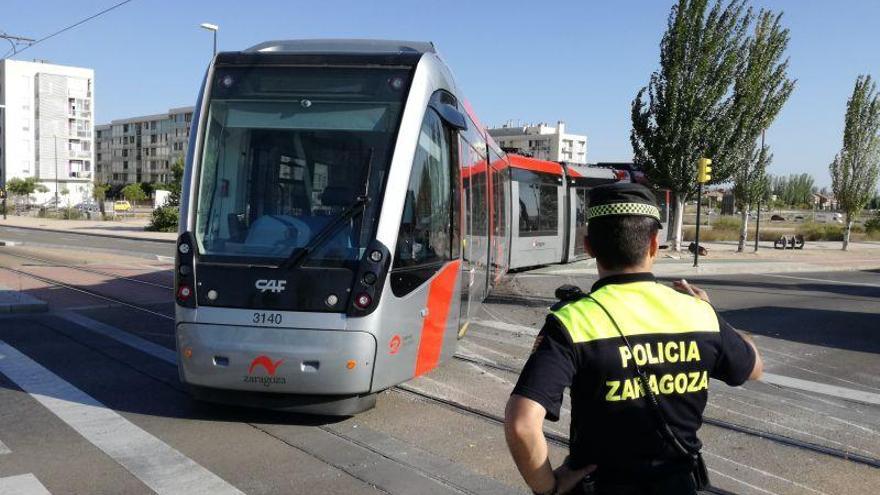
(80, 174)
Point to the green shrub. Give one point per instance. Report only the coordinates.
(821, 232)
(873, 224)
(71, 214)
(165, 219)
(727, 223)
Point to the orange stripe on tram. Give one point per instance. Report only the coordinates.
(440, 295)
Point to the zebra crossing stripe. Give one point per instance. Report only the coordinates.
(23, 484)
(159, 466)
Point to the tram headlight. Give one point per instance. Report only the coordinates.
(369, 278)
(376, 256)
(363, 301)
(183, 248)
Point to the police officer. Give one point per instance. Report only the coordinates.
(629, 331)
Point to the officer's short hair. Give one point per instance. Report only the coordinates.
(621, 241)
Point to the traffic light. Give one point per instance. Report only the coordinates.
(704, 170)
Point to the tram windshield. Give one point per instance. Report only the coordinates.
(289, 149)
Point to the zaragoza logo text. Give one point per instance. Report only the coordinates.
(271, 367)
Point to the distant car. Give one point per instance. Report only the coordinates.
(777, 218)
(121, 206)
(798, 218)
(87, 206)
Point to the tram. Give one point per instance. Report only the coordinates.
(343, 216)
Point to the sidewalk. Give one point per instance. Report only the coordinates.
(817, 256)
(126, 228)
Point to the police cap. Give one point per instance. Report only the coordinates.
(622, 198)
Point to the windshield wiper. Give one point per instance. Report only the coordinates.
(299, 255)
(359, 206)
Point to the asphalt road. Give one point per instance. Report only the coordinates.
(91, 242)
(90, 401)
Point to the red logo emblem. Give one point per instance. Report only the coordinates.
(266, 363)
(394, 344)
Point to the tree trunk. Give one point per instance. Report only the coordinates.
(743, 230)
(846, 233)
(679, 220)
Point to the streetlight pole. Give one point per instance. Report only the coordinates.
(3, 165)
(213, 28)
(57, 204)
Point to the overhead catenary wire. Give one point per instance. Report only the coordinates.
(78, 23)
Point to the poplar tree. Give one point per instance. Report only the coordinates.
(682, 113)
(760, 90)
(856, 167)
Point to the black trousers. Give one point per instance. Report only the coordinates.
(676, 484)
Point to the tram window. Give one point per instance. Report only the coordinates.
(538, 209)
(425, 228)
(287, 152)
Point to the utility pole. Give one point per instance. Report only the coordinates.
(55, 137)
(3, 163)
(14, 41)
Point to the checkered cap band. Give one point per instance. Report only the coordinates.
(623, 209)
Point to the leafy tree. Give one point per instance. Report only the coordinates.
(133, 193)
(148, 188)
(176, 184)
(25, 187)
(99, 192)
(760, 90)
(856, 167)
(683, 113)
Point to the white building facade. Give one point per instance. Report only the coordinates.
(542, 141)
(47, 128)
(142, 149)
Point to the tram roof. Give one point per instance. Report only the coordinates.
(343, 46)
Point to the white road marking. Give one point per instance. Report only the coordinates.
(123, 337)
(23, 484)
(822, 388)
(4, 449)
(507, 327)
(765, 473)
(753, 487)
(159, 466)
(838, 282)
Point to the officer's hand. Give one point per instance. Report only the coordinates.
(684, 287)
(567, 479)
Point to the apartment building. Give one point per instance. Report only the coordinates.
(142, 149)
(542, 141)
(47, 128)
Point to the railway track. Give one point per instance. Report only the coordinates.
(559, 440)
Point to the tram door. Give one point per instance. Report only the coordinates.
(474, 221)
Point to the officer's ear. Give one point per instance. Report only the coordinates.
(587, 247)
(655, 246)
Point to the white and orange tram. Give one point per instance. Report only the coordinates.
(343, 216)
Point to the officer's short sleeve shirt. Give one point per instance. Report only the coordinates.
(619, 427)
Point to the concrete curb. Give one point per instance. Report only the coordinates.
(93, 234)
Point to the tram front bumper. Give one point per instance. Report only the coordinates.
(276, 360)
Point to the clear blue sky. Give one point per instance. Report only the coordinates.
(579, 61)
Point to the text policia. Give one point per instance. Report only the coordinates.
(659, 353)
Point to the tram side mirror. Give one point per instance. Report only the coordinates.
(451, 116)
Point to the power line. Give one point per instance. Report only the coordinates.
(87, 19)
